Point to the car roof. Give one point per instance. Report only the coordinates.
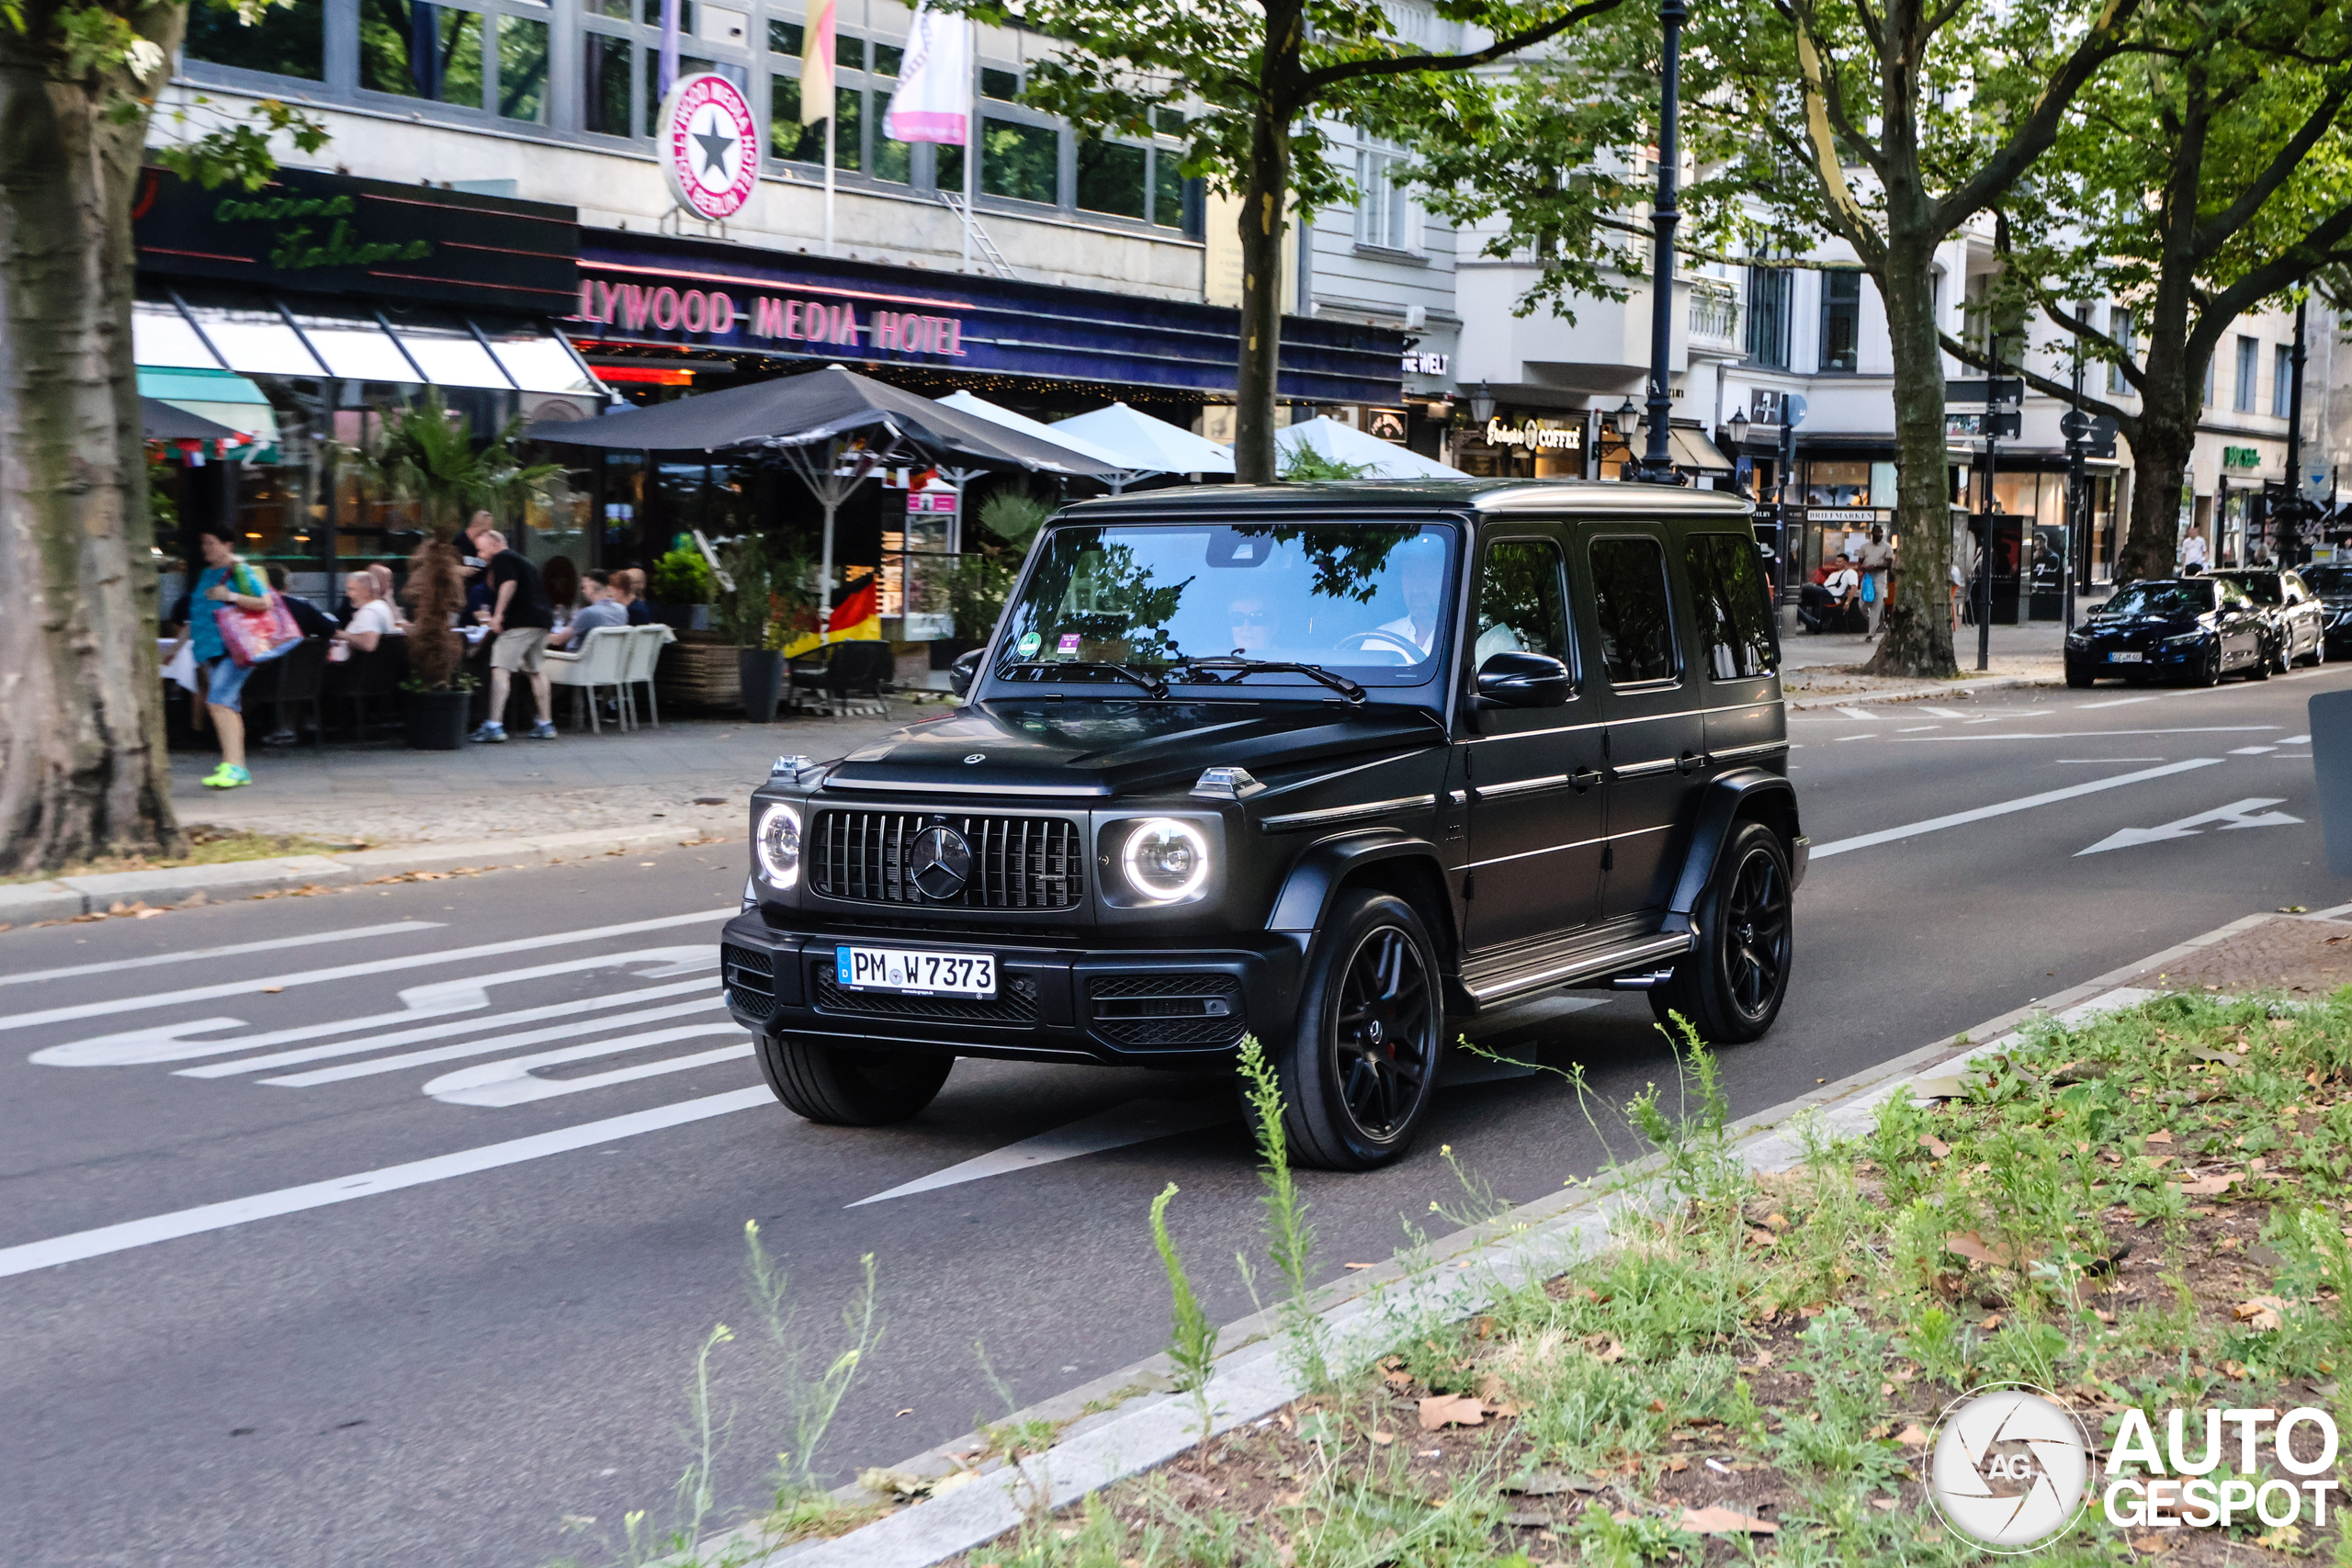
(1586, 498)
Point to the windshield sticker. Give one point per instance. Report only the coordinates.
(1068, 647)
(1029, 643)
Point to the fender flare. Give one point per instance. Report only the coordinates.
(1719, 808)
(1309, 884)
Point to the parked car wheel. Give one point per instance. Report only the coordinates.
(2264, 661)
(2278, 660)
(845, 1088)
(1359, 1071)
(2077, 677)
(2207, 671)
(1730, 986)
(2318, 655)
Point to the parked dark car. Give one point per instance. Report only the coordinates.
(2197, 629)
(2331, 581)
(1338, 765)
(2298, 620)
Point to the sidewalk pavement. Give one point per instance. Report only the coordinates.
(1819, 671)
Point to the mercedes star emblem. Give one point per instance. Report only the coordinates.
(940, 863)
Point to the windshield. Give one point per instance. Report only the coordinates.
(2161, 599)
(1366, 601)
(2327, 578)
(2262, 587)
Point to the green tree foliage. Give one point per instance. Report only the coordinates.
(1252, 86)
(2199, 177)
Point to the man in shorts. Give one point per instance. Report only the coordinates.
(520, 619)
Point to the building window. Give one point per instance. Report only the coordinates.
(1768, 316)
(2248, 355)
(1111, 178)
(1020, 161)
(2282, 381)
(1842, 319)
(1384, 215)
(522, 69)
(2119, 327)
(288, 40)
(421, 52)
(607, 65)
(2210, 369)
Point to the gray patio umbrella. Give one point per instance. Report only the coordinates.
(809, 420)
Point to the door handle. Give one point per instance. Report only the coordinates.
(1583, 779)
(1689, 762)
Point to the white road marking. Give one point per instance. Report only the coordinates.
(351, 971)
(1917, 728)
(2296, 740)
(195, 955)
(2237, 814)
(511, 1082)
(80, 1244)
(1944, 713)
(2102, 762)
(2111, 703)
(573, 1030)
(1866, 735)
(169, 1042)
(2003, 808)
(2103, 734)
(1138, 1121)
(2251, 750)
(1862, 714)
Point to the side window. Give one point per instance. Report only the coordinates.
(1733, 605)
(1522, 601)
(1630, 600)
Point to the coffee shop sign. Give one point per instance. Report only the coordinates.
(1533, 436)
(713, 313)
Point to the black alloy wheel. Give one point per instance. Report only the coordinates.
(2318, 655)
(2207, 671)
(1731, 984)
(2258, 667)
(2282, 658)
(2078, 676)
(1360, 1070)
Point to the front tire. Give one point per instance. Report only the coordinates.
(1732, 984)
(1361, 1067)
(2318, 655)
(2263, 663)
(2079, 678)
(2209, 668)
(840, 1088)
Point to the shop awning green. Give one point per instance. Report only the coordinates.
(801, 410)
(220, 397)
(160, 421)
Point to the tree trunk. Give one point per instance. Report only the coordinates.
(1265, 199)
(83, 770)
(2160, 455)
(1918, 638)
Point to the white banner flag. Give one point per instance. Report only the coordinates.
(933, 102)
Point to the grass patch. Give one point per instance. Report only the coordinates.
(207, 846)
(2147, 1211)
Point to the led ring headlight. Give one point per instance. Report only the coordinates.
(777, 845)
(1166, 860)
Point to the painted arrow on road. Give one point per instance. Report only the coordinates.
(2237, 814)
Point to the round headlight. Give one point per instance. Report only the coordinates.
(777, 845)
(1166, 860)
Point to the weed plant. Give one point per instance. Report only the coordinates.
(1192, 1334)
(1290, 1238)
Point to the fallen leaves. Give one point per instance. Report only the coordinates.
(1715, 1520)
(2211, 1186)
(2263, 1314)
(2161, 1136)
(1911, 1436)
(1977, 1249)
(1934, 1146)
(1451, 1410)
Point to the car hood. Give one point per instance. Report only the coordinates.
(2118, 626)
(1096, 749)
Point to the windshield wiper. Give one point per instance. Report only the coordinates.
(1241, 667)
(1150, 683)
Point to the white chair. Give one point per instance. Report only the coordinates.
(601, 660)
(645, 653)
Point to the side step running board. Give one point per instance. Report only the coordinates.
(1585, 967)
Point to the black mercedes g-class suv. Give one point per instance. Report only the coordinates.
(1333, 765)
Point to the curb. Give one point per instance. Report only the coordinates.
(67, 896)
(1960, 688)
(1146, 1423)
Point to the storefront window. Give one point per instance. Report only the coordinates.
(1021, 161)
(288, 40)
(1837, 484)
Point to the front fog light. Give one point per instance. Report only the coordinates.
(777, 845)
(1166, 860)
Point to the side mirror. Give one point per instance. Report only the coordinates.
(1525, 681)
(965, 670)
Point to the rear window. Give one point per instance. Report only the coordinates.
(1733, 601)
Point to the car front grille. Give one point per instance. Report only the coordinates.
(1018, 863)
(1015, 1006)
(1166, 1011)
(750, 978)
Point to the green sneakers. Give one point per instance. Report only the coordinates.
(227, 776)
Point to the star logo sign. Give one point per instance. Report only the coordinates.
(716, 143)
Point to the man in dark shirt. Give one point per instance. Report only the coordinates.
(309, 618)
(520, 619)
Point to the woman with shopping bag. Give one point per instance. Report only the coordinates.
(235, 622)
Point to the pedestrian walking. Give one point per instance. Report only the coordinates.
(520, 619)
(1877, 562)
(226, 580)
(2193, 558)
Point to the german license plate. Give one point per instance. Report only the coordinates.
(914, 973)
(2126, 658)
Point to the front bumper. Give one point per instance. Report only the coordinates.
(2157, 656)
(1134, 1007)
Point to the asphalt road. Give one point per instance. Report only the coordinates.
(439, 1363)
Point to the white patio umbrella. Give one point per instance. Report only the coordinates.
(1123, 474)
(1379, 459)
(1145, 444)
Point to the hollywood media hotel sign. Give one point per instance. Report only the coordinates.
(715, 313)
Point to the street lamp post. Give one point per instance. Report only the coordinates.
(1658, 462)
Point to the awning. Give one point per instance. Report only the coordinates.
(221, 398)
(1147, 443)
(267, 337)
(160, 421)
(1692, 450)
(1377, 459)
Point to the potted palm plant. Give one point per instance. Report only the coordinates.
(424, 455)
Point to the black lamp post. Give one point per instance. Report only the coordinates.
(1738, 426)
(1627, 420)
(1658, 462)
